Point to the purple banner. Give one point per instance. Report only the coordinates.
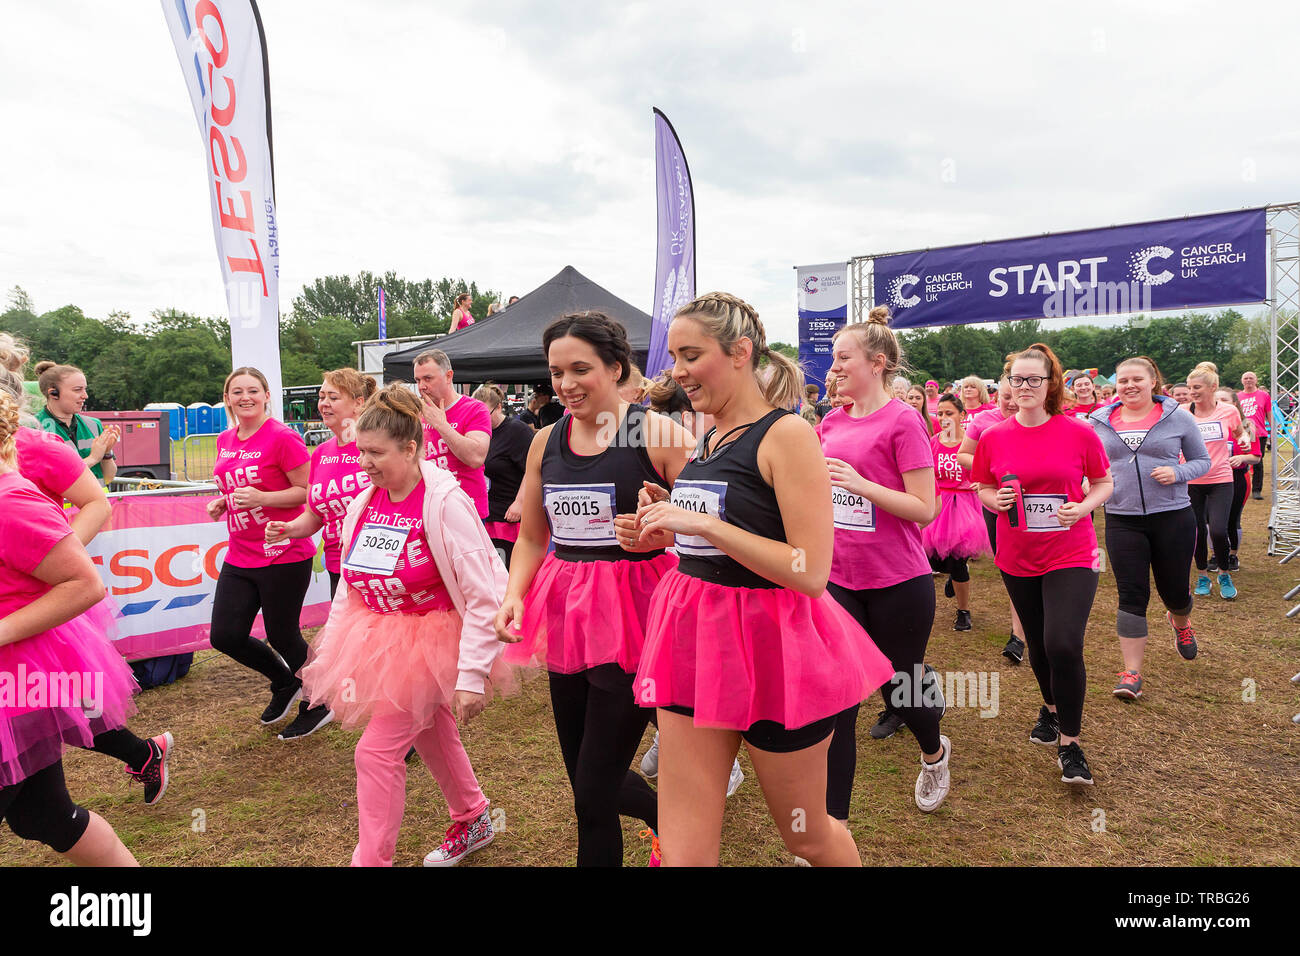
(383, 315)
(1210, 260)
(675, 249)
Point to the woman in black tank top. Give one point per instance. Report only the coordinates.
(581, 611)
(743, 643)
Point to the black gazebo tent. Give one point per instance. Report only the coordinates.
(507, 348)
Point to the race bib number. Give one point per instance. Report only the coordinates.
(1040, 512)
(852, 512)
(1211, 431)
(581, 516)
(376, 548)
(703, 497)
(1132, 439)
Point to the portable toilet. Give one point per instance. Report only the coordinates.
(218, 418)
(176, 418)
(205, 419)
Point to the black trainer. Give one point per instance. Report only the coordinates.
(963, 622)
(1233, 563)
(1015, 650)
(886, 726)
(1047, 729)
(154, 772)
(948, 590)
(1074, 766)
(309, 720)
(1212, 566)
(282, 702)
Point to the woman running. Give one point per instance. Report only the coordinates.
(1085, 396)
(974, 398)
(507, 458)
(746, 610)
(1031, 471)
(581, 611)
(1156, 449)
(883, 476)
(916, 398)
(957, 533)
(47, 584)
(262, 471)
(333, 481)
(1211, 493)
(1246, 453)
(409, 648)
(1004, 407)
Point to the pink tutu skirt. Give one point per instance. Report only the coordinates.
(581, 614)
(959, 530)
(64, 686)
(503, 530)
(365, 664)
(741, 655)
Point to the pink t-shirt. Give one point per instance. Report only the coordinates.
(949, 475)
(48, 462)
(467, 415)
(1134, 434)
(336, 478)
(1217, 429)
(984, 421)
(414, 585)
(1251, 447)
(30, 526)
(263, 461)
(1081, 411)
(968, 415)
(1051, 460)
(873, 548)
(1258, 406)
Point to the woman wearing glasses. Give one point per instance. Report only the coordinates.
(1031, 470)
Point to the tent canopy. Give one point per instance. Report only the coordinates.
(507, 348)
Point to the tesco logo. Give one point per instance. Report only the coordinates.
(168, 568)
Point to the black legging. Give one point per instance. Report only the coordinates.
(1257, 479)
(39, 808)
(334, 582)
(956, 567)
(898, 619)
(1054, 609)
(1239, 484)
(1142, 546)
(1211, 503)
(124, 746)
(277, 591)
(505, 549)
(599, 729)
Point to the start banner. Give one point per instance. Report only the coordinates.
(159, 558)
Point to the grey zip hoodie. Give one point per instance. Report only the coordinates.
(1136, 492)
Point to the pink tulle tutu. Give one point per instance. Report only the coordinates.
(741, 655)
(502, 530)
(44, 681)
(959, 530)
(580, 614)
(363, 663)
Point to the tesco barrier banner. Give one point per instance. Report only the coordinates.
(222, 52)
(1211, 260)
(675, 244)
(159, 559)
(823, 310)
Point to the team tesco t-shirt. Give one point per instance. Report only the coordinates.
(1050, 460)
(30, 526)
(48, 462)
(873, 548)
(1134, 434)
(1217, 429)
(336, 478)
(465, 415)
(949, 475)
(388, 561)
(1258, 406)
(263, 461)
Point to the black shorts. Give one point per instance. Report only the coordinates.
(769, 736)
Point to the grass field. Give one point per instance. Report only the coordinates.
(1201, 771)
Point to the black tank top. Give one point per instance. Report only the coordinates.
(728, 486)
(583, 493)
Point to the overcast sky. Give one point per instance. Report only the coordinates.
(501, 141)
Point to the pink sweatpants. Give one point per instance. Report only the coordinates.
(381, 779)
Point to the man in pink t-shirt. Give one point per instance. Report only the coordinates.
(1258, 407)
(457, 428)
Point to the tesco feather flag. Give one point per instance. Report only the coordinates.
(675, 253)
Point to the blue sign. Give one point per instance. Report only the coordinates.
(823, 298)
(1197, 261)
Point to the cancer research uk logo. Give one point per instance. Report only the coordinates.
(1139, 265)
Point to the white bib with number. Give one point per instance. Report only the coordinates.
(376, 548)
(1211, 431)
(704, 497)
(1040, 512)
(581, 516)
(852, 512)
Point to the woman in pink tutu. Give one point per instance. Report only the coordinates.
(743, 643)
(581, 612)
(409, 649)
(957, 533)
(61, 682)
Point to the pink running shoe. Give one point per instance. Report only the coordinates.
(462, 840)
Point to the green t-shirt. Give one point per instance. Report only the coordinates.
(80, 436)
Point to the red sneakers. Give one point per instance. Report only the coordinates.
(1184, 637)
(462, 840)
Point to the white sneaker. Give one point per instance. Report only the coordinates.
(650, 762)
(934, 782)
(462, 840)
(736, 779)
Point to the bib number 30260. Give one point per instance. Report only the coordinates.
(376, 549)
(581, 515)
